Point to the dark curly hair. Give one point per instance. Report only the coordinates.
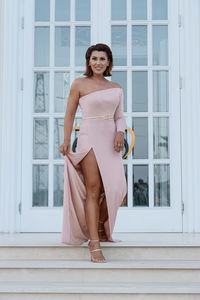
(99, 47)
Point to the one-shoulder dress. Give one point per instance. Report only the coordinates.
(102, 117)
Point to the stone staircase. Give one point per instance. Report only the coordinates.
(153, 266)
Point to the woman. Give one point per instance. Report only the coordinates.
(94, 179)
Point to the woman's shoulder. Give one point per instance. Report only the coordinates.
(116, 84)
(112, 84)
(82, 82)
(79, 82)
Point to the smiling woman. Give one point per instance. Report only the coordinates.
(98, 60)
(94, 183)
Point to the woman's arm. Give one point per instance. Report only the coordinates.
(119, 114)
(71, 108)
(120, 124)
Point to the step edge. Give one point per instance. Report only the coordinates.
(102, 245)
(94, 288)
(111, 264)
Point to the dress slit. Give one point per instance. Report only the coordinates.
(75, 191)
(104, 193)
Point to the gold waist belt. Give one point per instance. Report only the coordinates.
(95, 117)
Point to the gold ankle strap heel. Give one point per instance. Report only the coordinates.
(96, 260)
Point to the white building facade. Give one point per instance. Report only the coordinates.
(156, 46)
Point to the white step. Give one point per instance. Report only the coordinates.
(141, 267)
(114, 270)
(133, 246)
(104, 290)
(112, 251)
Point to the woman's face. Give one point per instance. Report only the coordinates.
(98, 62)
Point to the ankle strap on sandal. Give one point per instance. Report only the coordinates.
(95, 250)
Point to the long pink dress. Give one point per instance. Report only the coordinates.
(102, 114)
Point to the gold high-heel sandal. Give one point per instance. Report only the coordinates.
(101, 232)
(96, 260)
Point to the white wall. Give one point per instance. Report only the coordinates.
(1, 78)
(1, 102)
(190, 112)
(11, 108)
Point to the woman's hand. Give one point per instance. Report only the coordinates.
(65, 147)
(119, 141)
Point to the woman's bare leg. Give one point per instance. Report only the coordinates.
(93, 188)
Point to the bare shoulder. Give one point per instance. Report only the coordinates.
(76, 83)
(79, 84)
(74, 90)
(115, 84)
(76, 87)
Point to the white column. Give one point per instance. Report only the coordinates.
(190, 112)
(11, 110)
(1, 75)
(100, 32)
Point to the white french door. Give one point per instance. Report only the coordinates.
(143, 35)
(145, 45)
